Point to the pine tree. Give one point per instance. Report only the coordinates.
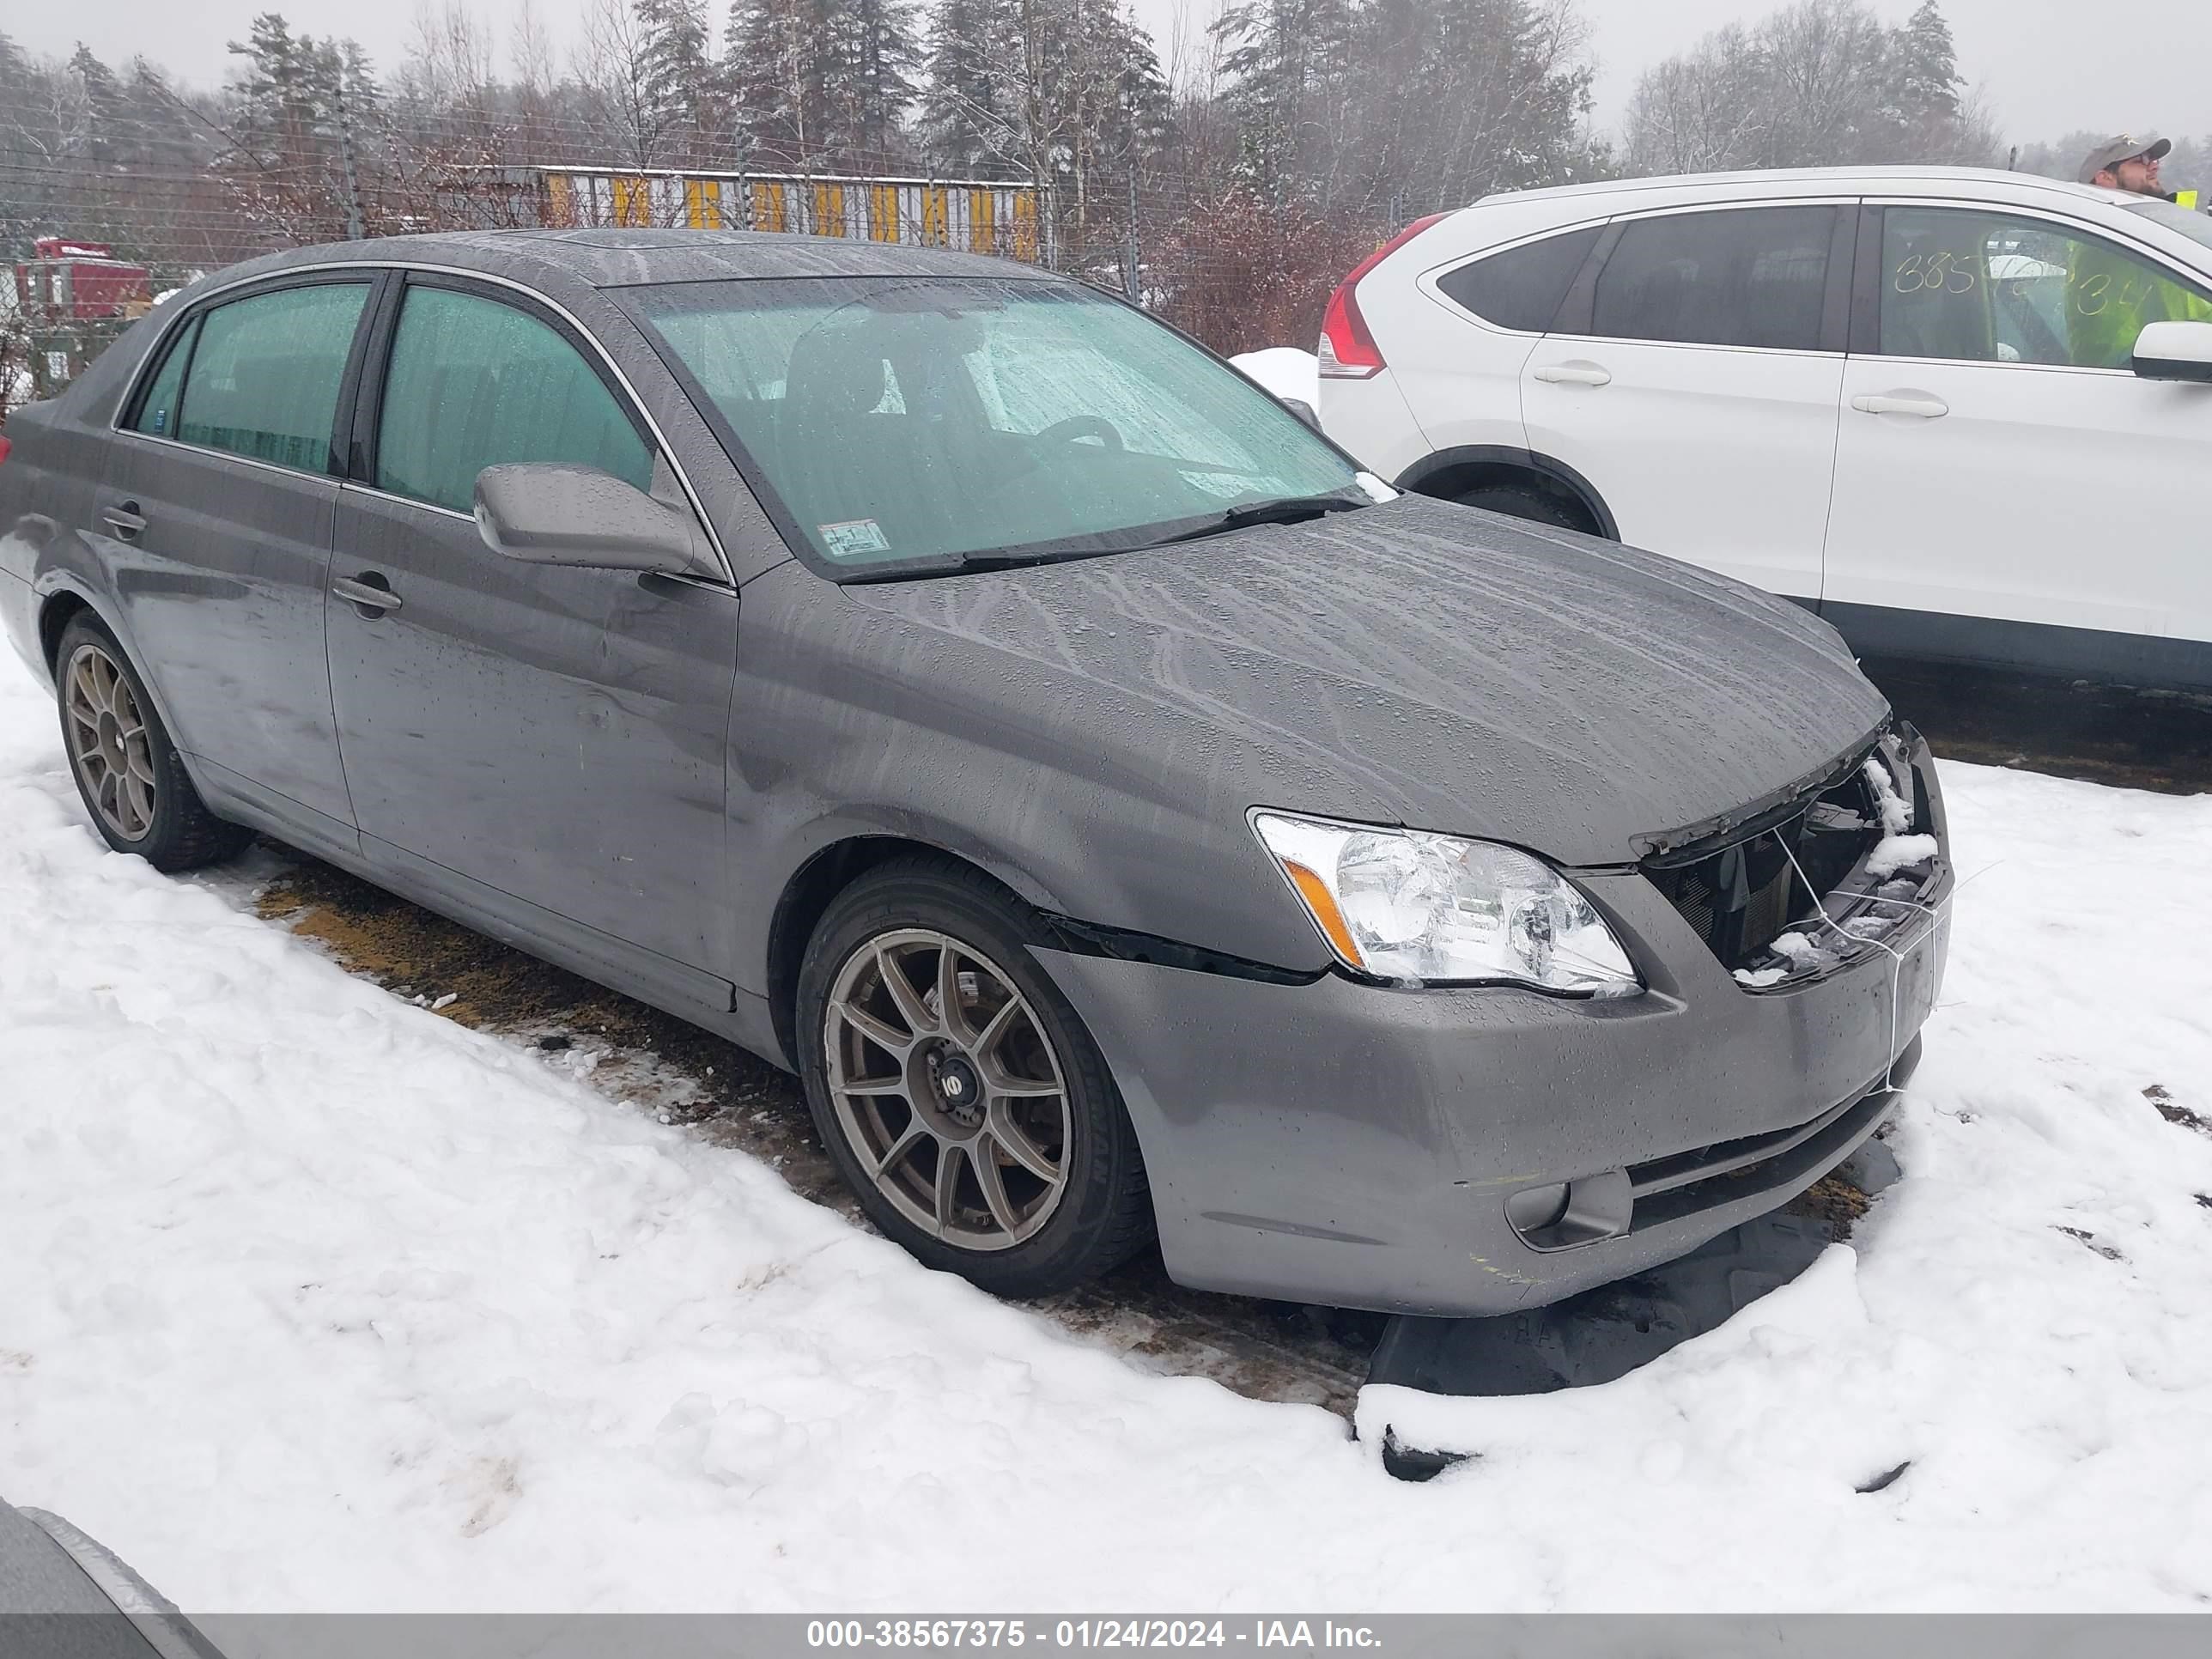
(779, 53)
(277, 112)
(878, 54)
(1927, 67)
(822, 83)
(966, 115)
(681, 80)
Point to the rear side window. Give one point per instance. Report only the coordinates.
(477, 383)
(262, 379)
(1521, 288)
(1746, 277)
(157, 409)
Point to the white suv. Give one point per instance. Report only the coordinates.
(1966, 414)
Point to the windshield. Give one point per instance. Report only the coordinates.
(895, 420)
(2195, 226)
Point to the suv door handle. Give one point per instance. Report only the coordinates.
(124, 520)
(1573, 374)
(370, 593)
(1926, 407)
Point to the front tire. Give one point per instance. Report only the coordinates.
(128, 773)
(957, 1091)
(1529, 501)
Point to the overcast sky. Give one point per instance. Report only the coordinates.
(2048, 66)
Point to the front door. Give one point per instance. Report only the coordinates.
(1698, 391)
(2007, 489)
(544, 745)
(217, 509)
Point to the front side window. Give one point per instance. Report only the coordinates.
(263, 377)
(1987, 288)
(897, 419)
(1744, 276)
(2194, 225)
(474, 383)
(1523, 286)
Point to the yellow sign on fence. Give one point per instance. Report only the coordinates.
(974, 215)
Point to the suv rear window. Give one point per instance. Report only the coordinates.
(1742, 277)
(1521, 288)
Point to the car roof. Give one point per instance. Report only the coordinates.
(1829, 181)
(623, 258)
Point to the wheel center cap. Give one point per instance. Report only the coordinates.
(960, 1090)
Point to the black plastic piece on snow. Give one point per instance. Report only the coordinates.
(1886, 1480)
(1411, 1462)
(1606, 1333)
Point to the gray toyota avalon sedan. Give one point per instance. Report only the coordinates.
(934, 675)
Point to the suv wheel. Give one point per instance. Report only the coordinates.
(129, 774)
(957, 1091)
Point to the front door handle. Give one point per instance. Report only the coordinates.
(1573, 374)
(1903, 403)
(369, 593)
(125, 521)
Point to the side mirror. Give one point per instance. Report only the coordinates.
(554, 513)
(1304, 410)
(2175, 351)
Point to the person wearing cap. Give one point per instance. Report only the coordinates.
(2128, 163)
(2112, 296)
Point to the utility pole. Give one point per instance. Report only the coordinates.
(1132, 252)
(354, 229)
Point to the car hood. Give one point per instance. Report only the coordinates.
(1418, 663)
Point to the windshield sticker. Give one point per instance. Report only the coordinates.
(1229, 486)
(853, 539)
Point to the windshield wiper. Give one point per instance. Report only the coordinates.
(1286, 509)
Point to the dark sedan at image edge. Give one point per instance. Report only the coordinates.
(931, 674)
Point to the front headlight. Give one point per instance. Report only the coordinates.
(1404, 904)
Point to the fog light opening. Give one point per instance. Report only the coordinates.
(1564, 1215)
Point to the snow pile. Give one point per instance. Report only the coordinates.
(312, 1299)
(1285, 371)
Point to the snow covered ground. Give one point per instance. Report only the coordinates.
(310, 1300)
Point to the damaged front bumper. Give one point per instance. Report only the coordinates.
(1471, 1151)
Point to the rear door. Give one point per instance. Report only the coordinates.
(1457, 352)
(2007, 489)
(216, 514)
(545, 746)
(1693, 377)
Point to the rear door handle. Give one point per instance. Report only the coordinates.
(1573, 374)
(124, 520)
(1894, 403)
(370, 593)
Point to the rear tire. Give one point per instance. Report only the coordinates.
(1528, 501)
(993, 1144)
(128, 773)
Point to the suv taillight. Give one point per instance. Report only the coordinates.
(5, 445)
(1348, 351)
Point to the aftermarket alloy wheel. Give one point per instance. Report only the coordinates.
(957, 1091)
(128, 772)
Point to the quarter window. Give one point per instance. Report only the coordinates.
(1746, 277)
(1521, 288)
(477, 383)
(158, 407)
(262, 379)
(1987, 288)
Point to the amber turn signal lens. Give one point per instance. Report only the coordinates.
(1315, 891)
